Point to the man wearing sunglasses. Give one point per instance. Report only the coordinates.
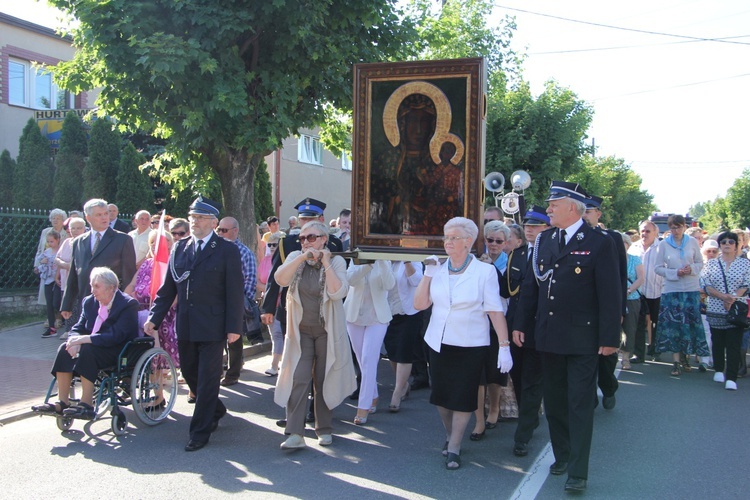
(229, 229)
(527, 362)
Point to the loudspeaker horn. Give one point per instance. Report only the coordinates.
(494, 182)
(520, 180)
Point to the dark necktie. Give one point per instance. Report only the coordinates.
(562, 239)
(198, 246)
(96, 242)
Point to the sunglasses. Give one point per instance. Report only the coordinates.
(493, 240)
(223, 230)
(154, 222)
(310, 237)
(728, 242)
(489, 220)
(179, 234)
(272, 245)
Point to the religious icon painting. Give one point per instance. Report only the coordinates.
(418, 151)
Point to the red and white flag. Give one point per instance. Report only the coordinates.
(161, 259)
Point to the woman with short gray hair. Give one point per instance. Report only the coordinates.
(109, 319)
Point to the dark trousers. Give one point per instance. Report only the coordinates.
(651, 308)
(234, 356)
(516, 372)
(607, 380)
(569, 391)
(201, 366)
(725, 346)
(52, 295)
(533, 392)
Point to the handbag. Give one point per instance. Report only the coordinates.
(738, 312)
(252, 324)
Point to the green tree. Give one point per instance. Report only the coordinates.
(134, 190)
(100, 173)
(7, 169)
(34, 171)
(70, 162)
(263, 194)
(226, 80)
(544, 136)
(625, 202)
(716, 215)
(738, 201)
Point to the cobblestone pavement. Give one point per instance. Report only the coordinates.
(25, 362)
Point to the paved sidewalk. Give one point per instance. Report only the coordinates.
(25, 362)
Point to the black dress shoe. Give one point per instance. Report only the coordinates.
(281, 423)
(354, 395)
(520, 449)
(608, 402)
(558, 468)
(575, 484)
(635, 360)
(194, 445)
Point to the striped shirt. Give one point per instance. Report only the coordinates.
(652, 283)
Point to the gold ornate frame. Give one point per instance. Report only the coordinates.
(456, 89)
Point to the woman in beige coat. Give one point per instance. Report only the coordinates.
(316, 346)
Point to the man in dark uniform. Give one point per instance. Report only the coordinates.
(309, 210)
(527, 380)
(607, 364)
(577, 313)
(205, 273)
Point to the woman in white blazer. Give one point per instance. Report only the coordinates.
(465, 296)
(367, 316)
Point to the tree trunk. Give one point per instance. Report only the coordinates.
(236, 171)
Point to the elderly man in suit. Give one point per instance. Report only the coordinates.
(205, 275)
(102, 246)
(114, 222)
(577, 313)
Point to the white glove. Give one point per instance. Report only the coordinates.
(431, 266)
(504, 359)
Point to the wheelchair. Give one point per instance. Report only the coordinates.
(144, 378)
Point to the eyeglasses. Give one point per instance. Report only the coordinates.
(493, 240)
(179, 234)
(453, 239)
(676, 226)
(154, 222)
(310, 237)
(272, 245)
(728, 242)
(200, 217)
(223, 230)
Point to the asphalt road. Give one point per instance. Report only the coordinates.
(667, 438)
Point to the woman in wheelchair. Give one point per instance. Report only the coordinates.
(109, 319)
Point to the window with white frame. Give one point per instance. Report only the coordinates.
(33, 87)
(310, 150)
(346, 160)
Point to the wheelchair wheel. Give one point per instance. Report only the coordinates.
(64, 423)
(119, 423)
(153, 386)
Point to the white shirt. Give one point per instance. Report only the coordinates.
(93, 239)
(572, 229)
(141, 243)
(459, 312)
(401, 297)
